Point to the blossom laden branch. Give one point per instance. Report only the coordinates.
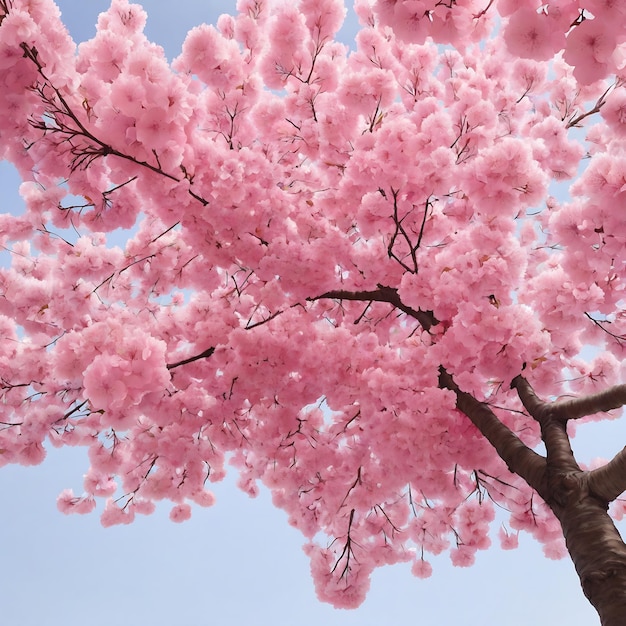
(54, 121)
(576, 120)
(455, 176)
(119, 272)
(401, 233)
(203, 355)
(250, 325)
(347, 551)
(602, 324)
(390, 295)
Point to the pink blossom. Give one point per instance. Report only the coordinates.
(128, 95)
(17, 27)
(508, 540)
(605, 7)
(114, 514)
(275, 250)
(180, 513)
(463, 556)
(367, 93)
(618, 509)
(123, 17)
(614, 111)
(105, 390)
(143, 507)
(99, 484)
(203, 498)
(152, 128)
(421, 568)
(285, 54)
(32, 453)
(212, 57)
(105, 54)
(68, 503)
(507, 7)
(531, 34)
(589, 48)
(323, 17)
(555, 550)
(226, 25)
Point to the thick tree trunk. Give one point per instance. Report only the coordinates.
(579, 499)
(595, 546)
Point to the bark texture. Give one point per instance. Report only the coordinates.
(579, 499)
(595, 546)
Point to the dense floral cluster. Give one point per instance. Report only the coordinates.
(312, 233)
(590, 33)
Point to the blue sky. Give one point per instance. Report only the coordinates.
(239, 562)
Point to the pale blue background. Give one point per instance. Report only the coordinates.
(239, 562)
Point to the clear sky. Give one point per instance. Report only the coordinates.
(238, 562)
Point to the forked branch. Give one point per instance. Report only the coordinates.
(536, 407)
(60, 119)
(519, 458)
(559, 453)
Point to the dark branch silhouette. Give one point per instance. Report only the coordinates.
(203, 355)
(426, 319)
(519, 458)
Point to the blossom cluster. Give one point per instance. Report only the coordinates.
(310, 234)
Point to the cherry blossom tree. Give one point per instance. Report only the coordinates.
(343, 272)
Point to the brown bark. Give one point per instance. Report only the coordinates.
(519, 458)
(609, 481)
(580, 499)
(575, 408)
(382, 294)
(595, 547)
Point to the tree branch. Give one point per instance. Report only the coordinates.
(575, 408)
(426, 319)
(575, 121)
(559, 453)
(519, 458)
(84, 156)
(609, 481)
(611, 398)
(536, 407)
(203, 355)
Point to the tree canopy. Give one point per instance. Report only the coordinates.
(380, 281)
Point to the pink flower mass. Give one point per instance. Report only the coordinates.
(343, 273)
